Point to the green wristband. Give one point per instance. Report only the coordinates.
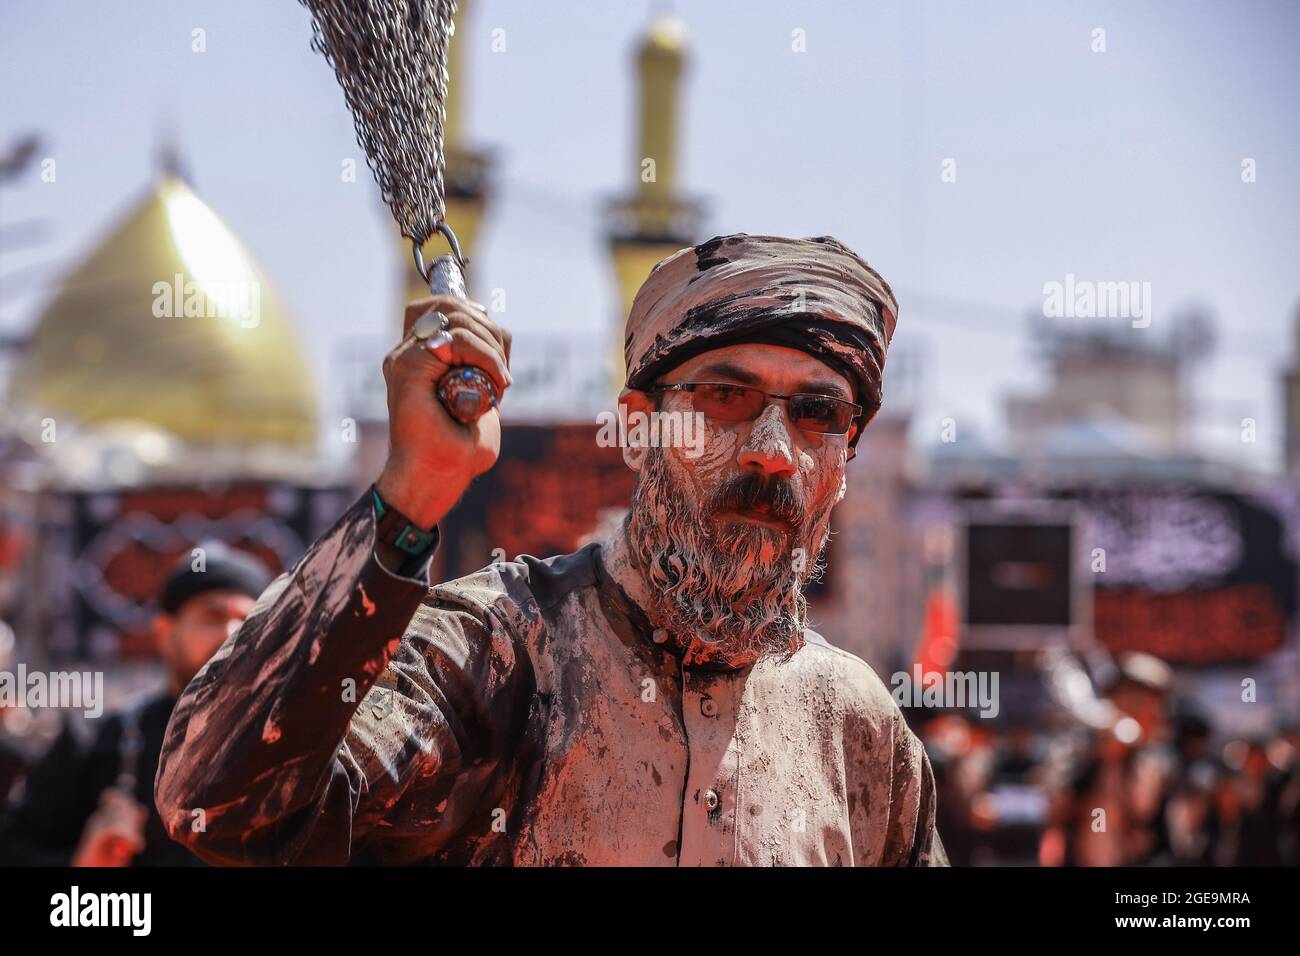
(396, 529)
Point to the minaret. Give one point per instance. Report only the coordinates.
(653, 221)
(465, 177)
(1291, 417)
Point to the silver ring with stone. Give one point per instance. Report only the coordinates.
(430, 324)
(440, 340)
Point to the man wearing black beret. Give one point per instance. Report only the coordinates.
(91, 804)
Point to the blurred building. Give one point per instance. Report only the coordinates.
(1130, 379)
(1099, 531)
(1098, 377)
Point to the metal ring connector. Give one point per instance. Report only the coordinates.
(417, 252)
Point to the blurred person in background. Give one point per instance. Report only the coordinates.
(91, 803)
(13, 762)
(1013, 805)
(1190, 814)
(1191, 818)
(12, 767)
(1261, 784)
(1088, 811)
(1192, 734)
(1109, 808)
(1225, 848)
(950, 743)
(1288, 746)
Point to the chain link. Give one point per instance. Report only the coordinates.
(390, 57)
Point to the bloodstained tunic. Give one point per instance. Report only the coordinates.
(524, 715)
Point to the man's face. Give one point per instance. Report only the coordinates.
(187, 639)
(729, 531)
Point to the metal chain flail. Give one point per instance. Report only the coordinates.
(390, 57)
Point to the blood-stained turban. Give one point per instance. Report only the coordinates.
(815, 295)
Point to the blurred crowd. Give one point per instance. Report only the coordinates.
(1118, 770)
(1152, 783)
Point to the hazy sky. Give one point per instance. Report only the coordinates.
(1112, 166)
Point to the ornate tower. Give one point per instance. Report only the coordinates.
(653, 220)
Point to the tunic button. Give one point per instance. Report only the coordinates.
(710, 800)
(659, 635)
(708, 707)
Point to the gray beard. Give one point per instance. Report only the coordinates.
(736, 586)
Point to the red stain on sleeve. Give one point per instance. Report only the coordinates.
(367, 605)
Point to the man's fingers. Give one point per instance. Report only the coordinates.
(461, 313)
(439, 303)
(445, 304)
(488, 330)
(488, 341)
(413, 346)
(396, 354)
(505, 340)
(471, 338)
(485, 328)
(460, 346)
(466, 348)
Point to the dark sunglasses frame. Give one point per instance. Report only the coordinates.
(692, 386)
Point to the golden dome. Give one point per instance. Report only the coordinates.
(172, 323)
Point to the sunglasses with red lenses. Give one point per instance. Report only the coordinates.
(819, 414)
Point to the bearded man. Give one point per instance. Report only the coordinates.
(653, 699)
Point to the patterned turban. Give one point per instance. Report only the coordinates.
(815, 295)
